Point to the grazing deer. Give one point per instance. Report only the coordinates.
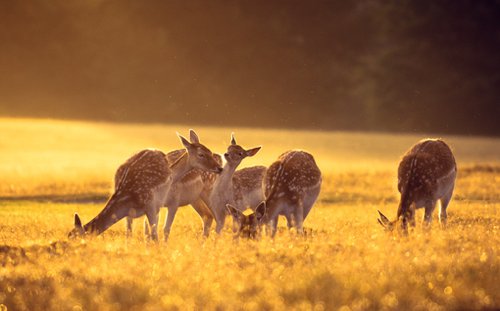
(293, 184)
(248, 226)
(144, 184)
(241, 189)
(426, 174)
(191, 189)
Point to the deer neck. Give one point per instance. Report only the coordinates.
(111, 214)
(225, 179)
(222, 190)
(100, 223)
(180, 167)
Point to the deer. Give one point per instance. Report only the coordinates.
(292, 185)
(247, 226)
(193, 188)
(426, 175)
(241, 189)
(145, 181)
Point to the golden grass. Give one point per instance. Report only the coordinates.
(346, 261)
(52, 157)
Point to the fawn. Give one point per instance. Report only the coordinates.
(247, 226)
(241, 188)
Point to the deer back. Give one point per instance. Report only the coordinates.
(292, 176)
(141, 173)
(422, 169)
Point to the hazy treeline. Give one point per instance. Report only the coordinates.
(367, 65)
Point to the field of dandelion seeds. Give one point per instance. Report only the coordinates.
(346, 261)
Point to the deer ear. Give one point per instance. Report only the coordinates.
(78, 222)
(233, 211)
(384, 221)
(184, 141)
(193, 137)
(233, 140)
(261, 210)
(381, 223)
(253, 151)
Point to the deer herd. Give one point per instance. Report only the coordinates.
(195, 176)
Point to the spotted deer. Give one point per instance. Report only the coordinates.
(241, 189)
(247, 226)
(426, 174)
(144, 184)
(292, 185)
(193, 188)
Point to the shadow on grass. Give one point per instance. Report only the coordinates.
(84, 198)
(15, 255)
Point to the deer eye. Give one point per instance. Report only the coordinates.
(240, 153)
(201, 155)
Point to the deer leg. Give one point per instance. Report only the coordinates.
(408, 217)
(146, 228)
(274, 210)
(130, 220)
(299, 217)
(153, 223)
(274, 226)
(219, 213)
(207, 224)
(429, 208)
(168, 222)
(411, 214)
(443, 216)
(220, 218)
(132, 213)
(206, 215)
(289, 220)
(309, 200)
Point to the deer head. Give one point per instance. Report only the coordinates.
(78, 229)
(247, 225)
(235, 153)
(199, 156)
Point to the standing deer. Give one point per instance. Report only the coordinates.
(293, 184)
(241, 188)
(426, 174)
(193, 188)
(144, 184)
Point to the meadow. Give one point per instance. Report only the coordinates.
(51, 169)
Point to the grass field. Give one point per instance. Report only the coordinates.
(51, 169)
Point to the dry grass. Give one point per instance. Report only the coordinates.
(47, 157)
(345, 262)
